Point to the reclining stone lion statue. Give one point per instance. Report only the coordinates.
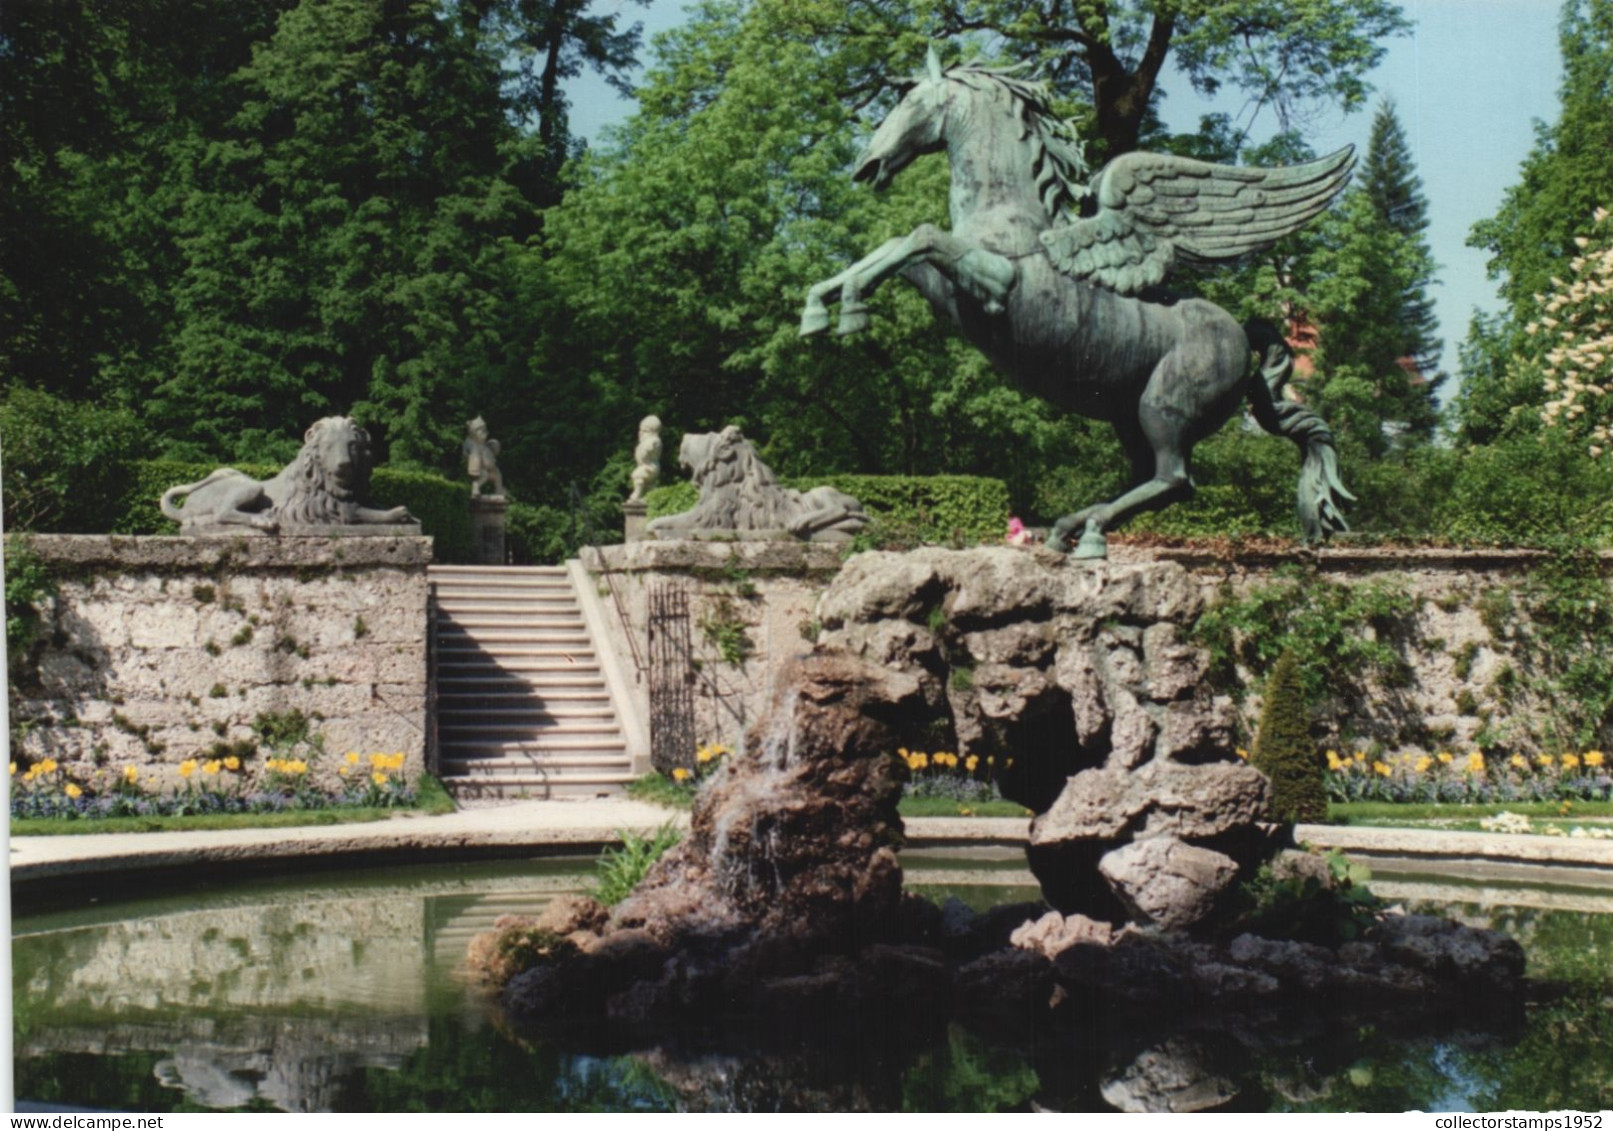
(740, 494)
(320, 488)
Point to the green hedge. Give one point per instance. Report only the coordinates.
(441, 504)
(939, 508)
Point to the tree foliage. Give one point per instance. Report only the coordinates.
(1280, 53)
(1531, 239)
(1284, 751)
(1367, 293)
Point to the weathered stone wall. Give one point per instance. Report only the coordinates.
(759, 595)
(1466, 671)
(1470, 671)
(157, 650)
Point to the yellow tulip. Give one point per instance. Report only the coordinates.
(973, 763)
(704, 755)
(187, 767)
(1570, 761)
(213, 767)
(1423, 763)
(352, 758)
(1475, 763)
(1445, 758)
(48, 766)
(232, 763)
(1381, 768)
(1242, 753)
(679, 774)
(73, 791)
(1544, 761)
(1593, 759)
(13, 769)
(1518, 762)
(131, 774)
(379, 778)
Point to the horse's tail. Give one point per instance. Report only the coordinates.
(1322, 497)
(169, 496)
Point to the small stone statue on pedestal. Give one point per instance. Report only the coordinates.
(646, 474)
(646, 458)
(489, 513)
(481, 458)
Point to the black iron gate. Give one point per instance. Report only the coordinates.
(671, 679)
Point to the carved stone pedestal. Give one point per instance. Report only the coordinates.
(634, 521)
(488, 516)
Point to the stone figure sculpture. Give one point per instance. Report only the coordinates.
(320, 488)
(646, 458)
(1055, 280)
(481, 459)
(739, 494)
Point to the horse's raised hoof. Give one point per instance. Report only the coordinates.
(852, 321)
(1092, 547)
(814, 319)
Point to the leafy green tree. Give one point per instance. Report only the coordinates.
(97, 103)
(348, 242)
(554, 40)
(1280, 53)
(1565, 178)
(681, 259)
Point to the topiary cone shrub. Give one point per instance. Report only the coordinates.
(1284, 751)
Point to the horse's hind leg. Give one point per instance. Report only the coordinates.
(1141, 454)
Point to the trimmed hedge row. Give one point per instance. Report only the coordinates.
(941, 508)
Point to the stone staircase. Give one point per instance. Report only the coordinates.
(523, 705)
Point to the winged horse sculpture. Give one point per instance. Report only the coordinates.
(1057, 282)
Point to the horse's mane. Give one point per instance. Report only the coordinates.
(1057, 158)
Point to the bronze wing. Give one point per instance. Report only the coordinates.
(1148, 210)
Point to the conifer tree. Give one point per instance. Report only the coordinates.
(1284, 751)
(1368, 297)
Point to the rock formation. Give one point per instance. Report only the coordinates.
(785, 901)
(788, 869)
(1084, 677)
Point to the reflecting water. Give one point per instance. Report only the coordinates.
(339, 993)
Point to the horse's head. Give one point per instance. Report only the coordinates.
(917, 126)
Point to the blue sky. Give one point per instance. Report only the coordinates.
(1469, 83)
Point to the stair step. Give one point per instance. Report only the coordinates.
(494, 571)
(484, 667)
(457, 611)
(520, 694)
(569, 642)
(560, 764)
(535, 716)
(540, 791)
(535, 733)
(457, 748)
(471, 624)
(504, 683)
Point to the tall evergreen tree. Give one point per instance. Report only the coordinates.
(1389, 178)
(1367, 295)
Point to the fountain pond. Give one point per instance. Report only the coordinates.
(340, 992)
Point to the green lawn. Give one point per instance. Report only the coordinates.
(431, 799)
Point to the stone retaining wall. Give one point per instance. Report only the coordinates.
(760, 594)
(159, 650)
(1464, 645)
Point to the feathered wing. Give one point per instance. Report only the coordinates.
(1150, 210)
